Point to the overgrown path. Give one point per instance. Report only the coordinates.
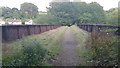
(68, 55)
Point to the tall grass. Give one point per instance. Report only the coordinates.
(104, 49)
(36, 50)
(27, 52)
(97, 48)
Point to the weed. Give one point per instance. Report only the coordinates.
(104, 49)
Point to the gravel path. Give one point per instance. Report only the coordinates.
(68, 55)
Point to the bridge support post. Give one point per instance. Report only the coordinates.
(93, 28)
(89, 28)
(85, 27)
(81, 26)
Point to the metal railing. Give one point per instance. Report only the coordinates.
(13, 32)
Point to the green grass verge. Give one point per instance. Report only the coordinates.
(33, 50)
(83, 49)
(97, 48)
(109, 30)
(105, 49)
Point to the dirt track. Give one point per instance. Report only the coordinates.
(68, 55)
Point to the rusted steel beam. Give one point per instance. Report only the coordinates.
(96, 26)
(100, 25)
(39, 29)
(13, 32)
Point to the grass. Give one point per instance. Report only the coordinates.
(97, 48)
(54, 50)
(35, 50)
(109, 30)
(105, 49)
(83, 47)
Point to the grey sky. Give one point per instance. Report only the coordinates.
(42, 4)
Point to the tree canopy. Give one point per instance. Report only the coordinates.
(66, 13)
(77, 12)
(46, 19)
(112, 16)
(6, 12)
(29, 10)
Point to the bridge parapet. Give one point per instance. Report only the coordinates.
(98, 27)
(13, 32)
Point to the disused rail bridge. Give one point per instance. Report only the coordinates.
(98, 27)
(13, 32)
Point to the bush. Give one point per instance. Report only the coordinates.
(30, 53)
(105, 49)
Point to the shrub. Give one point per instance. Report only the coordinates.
(105, 49)
(31, 53)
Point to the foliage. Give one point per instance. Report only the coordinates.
(29, 53)
(99, 49)
(29, 10)
(98, 14)
(77, 12)
(63, 11)
(83, 47)
(66, 13)
(6, 12)
(108, 30)
(104, 49)
(35, 50)
(112, 16)
(46, 19)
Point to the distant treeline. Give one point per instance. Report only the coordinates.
(66, 13)
(27, 10)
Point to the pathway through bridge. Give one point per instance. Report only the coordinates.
(68, 55)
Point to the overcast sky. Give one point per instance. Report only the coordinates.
(42, 4)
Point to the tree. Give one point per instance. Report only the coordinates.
(97, 12)
(81, 8)
(10, 13)
(60, 0)
(77, 12)
(46, 19)
(6, 12)
(29, 10)
(112, 16)
(85, 18)
(16, 13)
(63, 11)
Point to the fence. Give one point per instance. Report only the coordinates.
(98, 27)
(13, 32)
